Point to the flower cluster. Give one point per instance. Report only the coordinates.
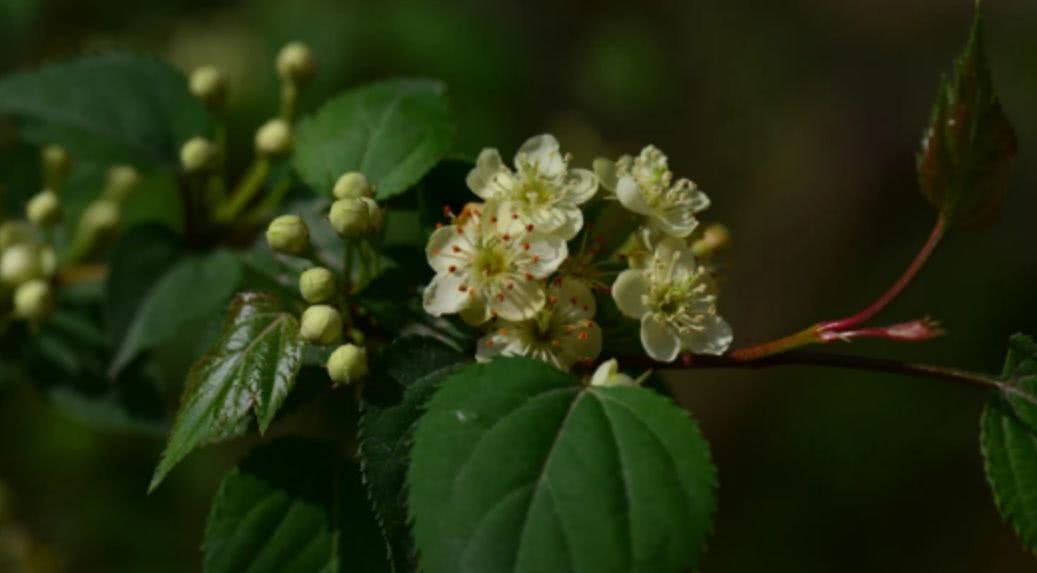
(499, 263)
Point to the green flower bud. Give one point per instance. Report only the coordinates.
(44, 209)
(353, 218)
(100, 217)
(56, 163)
(715, 238)
(122, 181)
(197, 154)
(20, 264)
(274, 138)
(317, 285)
(288, 234)
(48, 261)
(347, 364)
(33, 300)
(209, 85)
(352, 185)
(13, 233)
(321, 324)
(295, 62)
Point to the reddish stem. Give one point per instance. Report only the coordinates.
(898, 287)
(913, 331)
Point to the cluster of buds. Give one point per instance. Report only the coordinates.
(504, 264)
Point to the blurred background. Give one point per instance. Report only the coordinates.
(800, 119)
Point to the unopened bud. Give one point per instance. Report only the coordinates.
(715, 238)
(20, 264)
(32, 300)
(56, 164)
(122, 181)
(209, 85)
(13, 233)
(288, 234)
(100, 217)
(321, 324)
(317, 285)
(352, 185)
(608, 374)
(197, 154)
(353, 218)
(274, 138)
(347, 364)
(295, 62)
(44, 209)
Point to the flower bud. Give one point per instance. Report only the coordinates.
(317, 285)
(20, 264)
(122, 181)
(209, 85)
(715, 238)
(353, 218)
(295, 62)
(44, 209)
(352, 185)
(55, 163)
(197, 154)
(321, 324)
(33, 300)
(347, 364)
(608, 374)
(100, 217)
(274, 138)
(13, 233)
(288, 234)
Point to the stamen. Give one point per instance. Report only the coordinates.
(462, 287)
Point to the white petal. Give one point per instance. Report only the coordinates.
(604, 370)
(545, 254)
(440, 250)
(660, 342)
(571, 224)
(674, 253)
(476, 313)
(520, 302)
(629, 292)
(542, 152)
(676, 222)
(492, 345)
(715, 339)
(697, 200)
(444, 296)
(629, 194)
(483, 178)
(575, 299)
(583, 343)
(581, 185)
(547, 219)
(605, 170)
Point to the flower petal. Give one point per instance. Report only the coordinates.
(660, 342)
(714, 339)
(629, 194)
(575, 299)
(581, 185)
(676, 221)
(583, 343)
(477, 312)
(545, 254)
(629, 292)
(541, 153)
(441, 251)
(520, 302)
(605, 170)
(444, 295)
(485, 178)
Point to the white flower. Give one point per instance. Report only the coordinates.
(488, 263)
(608, 374)
(644, 185)
(562, 333)
(542, 190)
(676, 302)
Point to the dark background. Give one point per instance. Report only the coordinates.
(800, 120)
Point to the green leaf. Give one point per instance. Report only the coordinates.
(139, 259)
(405, 375)
(293, 506)
(251, 368)
(194, 288)
(116, 106)
(1009, 441)
(969, 143)
(516, 467)
(393, 132)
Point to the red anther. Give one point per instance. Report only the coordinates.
(489, 343)
(510, 286)
(514, 215)
(552, 300)
(500, 297)
(447, 212)
(452, 268)
(435, 252)
(573, 301)
(525, 246)
(462, 287)
(439, 225)
(556, 342)
(536, 258)
(529, 276)
(493, 219)
(506, 237)
(582, 335)
(529, 227)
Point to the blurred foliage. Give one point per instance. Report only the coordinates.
(800, 119)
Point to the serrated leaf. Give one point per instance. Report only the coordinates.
(192, 289)
(1009, 441)
(393, 132)
(404, 376)
(293, 506)
(112, 107)
(516, 467)
(250, 369)
(969, 143)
